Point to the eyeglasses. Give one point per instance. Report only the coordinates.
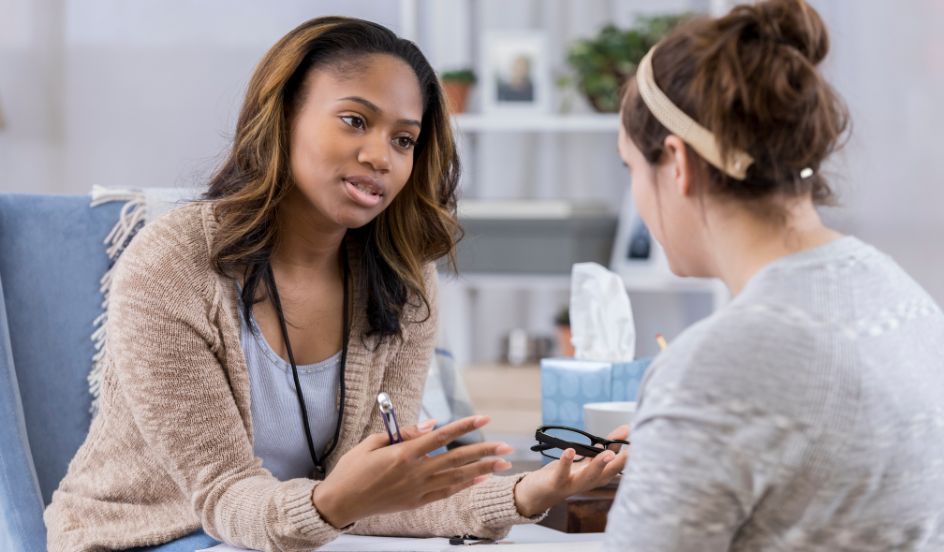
(554, 440)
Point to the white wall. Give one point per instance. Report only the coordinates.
(887, 61)
(30, 90)
(141, 93)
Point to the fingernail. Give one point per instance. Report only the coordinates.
(502, 465)
(480, 421)
(608, 456)
(480, 478)
(504, 448)
(426, 425)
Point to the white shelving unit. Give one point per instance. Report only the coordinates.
(543, 141)
(558, 282)
(589, 123)
(463, 292)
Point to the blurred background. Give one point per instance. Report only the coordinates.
(145, 93)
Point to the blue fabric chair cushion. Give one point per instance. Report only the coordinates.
(51, 259)
(21, 504)
(193, 541)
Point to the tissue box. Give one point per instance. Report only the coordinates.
(567, 384)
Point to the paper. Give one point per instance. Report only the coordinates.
(585, 546)
(360, 543)
(601, 316)
(521, 538)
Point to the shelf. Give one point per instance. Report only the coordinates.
(529, 209)
(561, 282)
(499, 122)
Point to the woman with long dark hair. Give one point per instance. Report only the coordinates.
(249, 334)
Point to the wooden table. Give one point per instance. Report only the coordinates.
(582, 513)
(515, 408)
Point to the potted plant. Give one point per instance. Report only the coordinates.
(456, 85)
(601, 64)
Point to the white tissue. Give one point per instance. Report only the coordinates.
(601, 317)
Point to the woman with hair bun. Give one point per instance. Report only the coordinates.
(807, 414)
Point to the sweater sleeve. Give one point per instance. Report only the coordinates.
(488, 509)
(168, 363)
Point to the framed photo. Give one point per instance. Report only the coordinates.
(637, 257)
(515, 72)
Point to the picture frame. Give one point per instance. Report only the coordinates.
(637, 257)
(515, 72)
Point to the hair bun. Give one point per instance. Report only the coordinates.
(793, 23)
(750, 78)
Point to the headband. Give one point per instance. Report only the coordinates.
(698, 137)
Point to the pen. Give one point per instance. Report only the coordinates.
(661, 341)
(389, 416)
(469, 540)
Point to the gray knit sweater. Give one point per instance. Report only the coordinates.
(807, 415)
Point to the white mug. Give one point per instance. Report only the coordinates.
(600, 418)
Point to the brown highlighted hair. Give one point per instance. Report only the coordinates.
(420, 224)
(751, 78)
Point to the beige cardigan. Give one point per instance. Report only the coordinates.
(171, 450)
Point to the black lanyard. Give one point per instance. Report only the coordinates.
(319, 470)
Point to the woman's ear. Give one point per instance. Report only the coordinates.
(681, 169)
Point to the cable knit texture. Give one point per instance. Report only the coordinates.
(171, 450)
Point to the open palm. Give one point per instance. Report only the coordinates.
(541, 489)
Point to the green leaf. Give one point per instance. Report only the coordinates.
(602, 63)
(458, 75)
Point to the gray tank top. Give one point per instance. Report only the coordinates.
(279, 434)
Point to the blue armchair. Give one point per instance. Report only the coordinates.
(51, 259)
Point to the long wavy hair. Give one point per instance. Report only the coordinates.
(418, 226)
